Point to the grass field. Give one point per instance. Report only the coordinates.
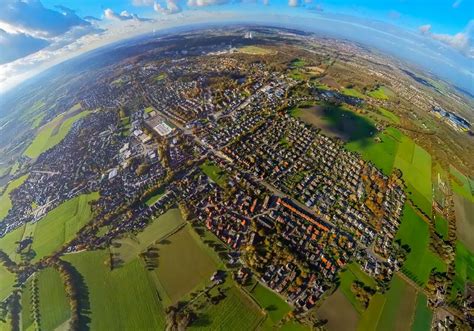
(155, 197)
(182, 265)
(122, 299)
(441, 226)
(382, 153)
(414, 232)
(53, 303)
(461, 184)
(26, 306)
(352, 273)
(423, 315)
(293, 326)
(333, 308)
(52, 134)
(7, 280)
(8, 243)
(390, 311)
(215, 173)
(235, 312)
(353, 93)
(464, 268)
(129, 248)
(415, 164)
(464, 211)
(389, 115)
(381, 93)
(274, 305)
(61, 224)
(5, 201)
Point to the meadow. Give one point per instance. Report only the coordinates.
(215, 173)
(181, 266)
(129, 247)
(7, 280)
(275, 306)
(461, 184)
(423, 315)
(352, 92)
(441, 226)
(354, 273)
(234, 313)
(415, 164)
(109, 292)
(421, 260)
(5, 200)
(464, 268)
(61, 224)
(52, 302)
(54, 132)
(381, 93)
(392, 310)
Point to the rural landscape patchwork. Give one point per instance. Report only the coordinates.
(246, 177)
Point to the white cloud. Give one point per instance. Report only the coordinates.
(205, 3)
(425, 28)
(266, 2)
(142, 3)
(122, 16)
(32, 18)
(17, 45)
(293, 3)
(171, 7)
(462, 41)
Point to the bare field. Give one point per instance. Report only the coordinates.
(339, 313)
(464, 210)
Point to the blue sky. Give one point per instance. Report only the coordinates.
(436, 34)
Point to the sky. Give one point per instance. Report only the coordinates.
(437, 35)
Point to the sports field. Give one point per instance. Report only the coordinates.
(54, 132)
(5, 201)
(110, 292)
(61, 224)
(128, 248)
(423, 315)
(421, 260)
(415, 164)
(464, 268)
(273, 304)
(181, 265)
(390, 311)
(352, 273)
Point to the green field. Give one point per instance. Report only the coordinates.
(235, 312)
(8, 243)
(128, 248)
(461, 184)
(27, 305)
(215, 173)
(423, 315)
(390, 311)
(382, 153)
(181, 266)
(53, 303)
(61, 224)
(464, 268)
(381, 93)
(350, 274)
(7, 280)
(389, 115)
(5, 201)
(352, 93)
(441, 226)
(155, 197)
(255, 50)
(52, 134)
(420, 261)
(122, 299)
(415, 164)
(274, 305)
